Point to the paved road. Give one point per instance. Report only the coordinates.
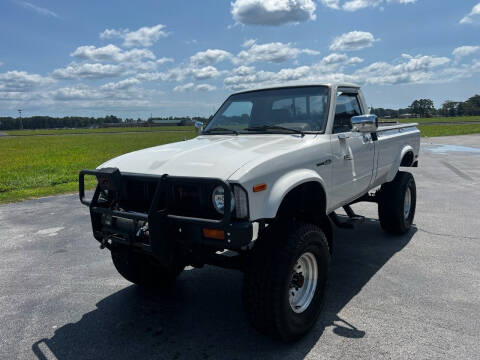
(415, 297)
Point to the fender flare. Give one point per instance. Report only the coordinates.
(284, 184)
(396, 165)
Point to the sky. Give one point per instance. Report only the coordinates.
(174, 58)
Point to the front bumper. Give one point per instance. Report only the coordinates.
(163, 227)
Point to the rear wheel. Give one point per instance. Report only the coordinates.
(144, 270)
(285, 282)
(397, 202)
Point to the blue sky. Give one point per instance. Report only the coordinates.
(136, 58)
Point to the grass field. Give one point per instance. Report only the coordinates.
(432, 127)
(34, 166)
(99, 130)
(437, 119)
(449, 130)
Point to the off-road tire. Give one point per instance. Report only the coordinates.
(391, 204)
(268, 277)
(144, 270)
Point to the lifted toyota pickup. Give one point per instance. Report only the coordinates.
(257, 191)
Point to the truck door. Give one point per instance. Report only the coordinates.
(353, 151)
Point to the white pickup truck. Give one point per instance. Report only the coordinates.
(257, 191)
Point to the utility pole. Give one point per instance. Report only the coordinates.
(21, 122)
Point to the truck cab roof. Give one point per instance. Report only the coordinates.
(301, 84)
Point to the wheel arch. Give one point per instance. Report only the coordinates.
(405, 158)
(306, 200)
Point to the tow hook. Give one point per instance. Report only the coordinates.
(104, 243)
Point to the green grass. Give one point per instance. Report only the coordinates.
(449, 130)
(99, 130)
(436, 120)
(34, 166)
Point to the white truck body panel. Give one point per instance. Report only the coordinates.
(346, 165)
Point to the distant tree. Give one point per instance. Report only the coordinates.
(422, 107)
(472, 106)
(450, 108)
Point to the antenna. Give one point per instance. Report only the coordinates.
(21, 122)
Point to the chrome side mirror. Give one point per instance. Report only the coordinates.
(199, 126)
(365, 123)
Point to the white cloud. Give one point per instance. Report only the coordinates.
(113, 33)
(354, 5)
(145, 36)
(205, 87)
(354, 60)
(333, 4)
(275, 52)
(414, 69)
(165, 60)
(463, 51)
(38, 9)
(82, 96)
(21, 81)
(78, 92)
(272, 12)
(334, 59)
(473, 16)
(207, 72)
(243, 70)
(93, 71)
(120, 85)
(185, 87)
(248, 43)
(176, 75)
(337, 61)
(111, 53)
(354, 40)
(418, 69)
(210, 56)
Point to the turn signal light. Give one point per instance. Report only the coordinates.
(260, 187)
(214, 234)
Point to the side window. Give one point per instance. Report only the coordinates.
(347, 107)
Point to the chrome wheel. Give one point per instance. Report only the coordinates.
(303, 282)
(407, 203)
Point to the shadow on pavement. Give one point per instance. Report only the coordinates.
(203, 319)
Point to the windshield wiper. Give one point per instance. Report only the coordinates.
(274, 127)
(221, 129)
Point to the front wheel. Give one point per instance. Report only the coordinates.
(144, 270)
(397, 202)
(285, 282)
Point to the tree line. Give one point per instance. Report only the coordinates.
(48, 122)
(426, 108)
(420, 108)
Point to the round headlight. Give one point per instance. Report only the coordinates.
(218, 199)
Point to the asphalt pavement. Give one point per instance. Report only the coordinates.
(410, 297)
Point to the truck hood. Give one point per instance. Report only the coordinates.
(215, 156)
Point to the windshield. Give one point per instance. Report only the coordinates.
(302, 109)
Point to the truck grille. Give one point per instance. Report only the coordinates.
(183, 198)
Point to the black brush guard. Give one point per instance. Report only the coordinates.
(161, 221)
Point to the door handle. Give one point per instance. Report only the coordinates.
(343, 136)
(347, 157)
